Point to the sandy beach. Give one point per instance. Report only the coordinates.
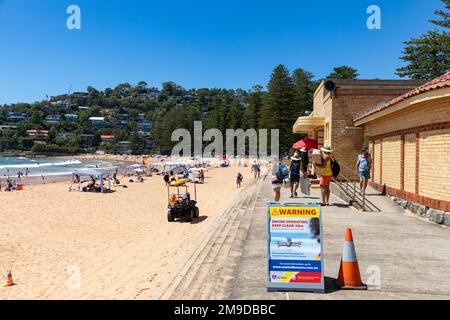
(118, 243)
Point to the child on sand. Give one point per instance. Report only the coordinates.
(239, 179)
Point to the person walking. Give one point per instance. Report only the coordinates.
(326, 174)
(167, 178)
(258, 170)
(239, 179)
(304, 156)
(280, 175)
(294, 171)
(254, 169)
(363, 167)
(202, 176)
(276, 182)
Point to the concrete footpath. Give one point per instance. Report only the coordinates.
(411, 254)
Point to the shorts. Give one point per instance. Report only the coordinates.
(295, 178)
(325, 180)
(276, 186)
(365, 175)
(276, 183)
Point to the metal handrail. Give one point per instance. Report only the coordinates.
(364, 198)
(354, 192)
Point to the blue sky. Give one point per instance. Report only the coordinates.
(196, 43)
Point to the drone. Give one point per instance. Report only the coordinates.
(289, 244)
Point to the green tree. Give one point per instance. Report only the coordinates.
(445, 15)
(344, 72)
(252, 111)
(36, 119)
(278, 110)
(429, 56)
(142, 84)
(235, 115)
(136, 143)
(304, 88)
(96, 140)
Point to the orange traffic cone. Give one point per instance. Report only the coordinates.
(9, 280)
(349, 276)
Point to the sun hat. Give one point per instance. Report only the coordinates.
(326, 149)
(303, 149)
(296, 157)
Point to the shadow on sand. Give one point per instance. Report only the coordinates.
(199, 220)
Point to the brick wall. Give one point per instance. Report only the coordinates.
(391, 161)
(434, 164)
(339, 107)
(410, 163)
(421, 173)
(347, 144)
(377, 162)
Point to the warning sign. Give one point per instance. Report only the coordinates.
(295, 248)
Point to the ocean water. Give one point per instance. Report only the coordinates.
(47, 166)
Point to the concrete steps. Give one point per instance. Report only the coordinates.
(219, 282)
(201, 274)
(205, 280)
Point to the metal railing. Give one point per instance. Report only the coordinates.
(353, 191)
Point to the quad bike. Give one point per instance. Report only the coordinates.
(181, 206)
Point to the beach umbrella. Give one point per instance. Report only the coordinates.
(137, 165)
(308, 144)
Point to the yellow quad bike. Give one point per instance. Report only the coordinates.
(181, 206)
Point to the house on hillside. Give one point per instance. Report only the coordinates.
(86, 140)
(107, 137)
(38, 135)
(71, 117)
(123, 119)
(8, 131)
(123, 147)
(97, 122)
(53, 119)
(66, 136)
(145, 126)
(16, 116)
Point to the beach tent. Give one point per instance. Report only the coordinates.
(136, 167)
(99, 174)
(176, 167)
(157, 164)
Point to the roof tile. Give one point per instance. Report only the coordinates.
(438, 83)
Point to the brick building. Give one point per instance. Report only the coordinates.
(405, 124)
(335, 104)
(409, 139)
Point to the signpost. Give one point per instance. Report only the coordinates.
(295, 248)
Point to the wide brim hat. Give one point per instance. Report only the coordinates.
(296, 156)
(326, 149)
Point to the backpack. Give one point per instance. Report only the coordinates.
(295, 168)
(283, 172)
(335, 168)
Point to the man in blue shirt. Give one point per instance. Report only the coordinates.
(363, 167)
